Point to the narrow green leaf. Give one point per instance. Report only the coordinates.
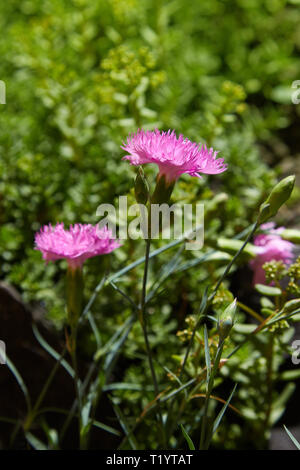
(52, 436)
(35, 442)
(92, 299)
(123, 422)
(203, 302)
(153, 254)
(94, 328)
(164, 273)
(173, 375)
(278, 406)
(86, 409)
(124, 295)
(95, 423)
(101, 352)
(20, 381)
(194, 262)
(280, 318)
(4, 419)
(224, 408)
(106, 428)
(297, 444)
(207, 355)
(215, 320)
(178, 390)
(187, 438)
(112, 356)
(127, 386)
(52, 351)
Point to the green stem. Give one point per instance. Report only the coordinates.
(206, 307)
(212, 296)
(144, 323)
(204, 441)
(250, 311)
(229, 266)
(73, 348)
(35, 409)
(269, 381)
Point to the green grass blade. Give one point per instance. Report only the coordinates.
(178, 390)
(127, 386)
(113, 353)
(106, 428)
(20, 381)
(297, 444)
(154, 253)
(35, 442)
(92, 299)
(187, 438)
(221, 414)
(164, 273)
(123, 422)
(101, 352)
(4, 419)
(95, 423)
(95, 329)
(52, 352)
(207, 355)
(123, 294)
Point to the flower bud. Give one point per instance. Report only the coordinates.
(141, 187)
(226, 320)
(278, 196)
(163, 191)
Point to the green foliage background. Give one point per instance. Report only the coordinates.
(81, 75)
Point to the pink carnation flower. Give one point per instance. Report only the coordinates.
(174, 156)
(270, 246)
(76, 244)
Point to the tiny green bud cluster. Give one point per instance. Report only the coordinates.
(294, 274)
(274, 270)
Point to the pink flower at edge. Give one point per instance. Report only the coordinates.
(174, 156)
(270, 246)
(78, 243)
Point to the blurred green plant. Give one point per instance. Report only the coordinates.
(80, 76)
